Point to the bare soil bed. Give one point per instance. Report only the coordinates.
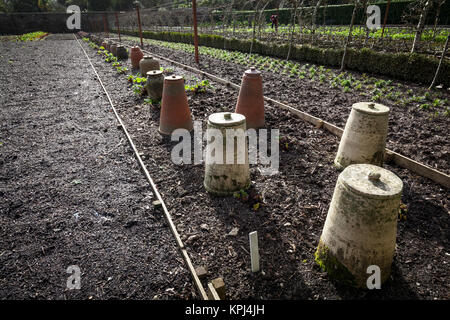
(295, 201)
(413, 132)
(72, 191)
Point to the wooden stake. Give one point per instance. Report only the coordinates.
(385, 17)
(104, 25)
(118, 26)
(194, 12)
(254, 251)
(440, 64)
(139, 23)
(212, 293)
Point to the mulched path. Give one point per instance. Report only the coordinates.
(72, 191)
(415, 133)
(295, 204)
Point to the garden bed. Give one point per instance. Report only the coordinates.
(295, 202)
(421, 134)
(417, 68)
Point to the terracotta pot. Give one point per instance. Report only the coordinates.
(148, 64)
(108, 45)
(251, 101)
(114, 49)
(175, 113)
(122, 53)
(135, 56)
(155, 84)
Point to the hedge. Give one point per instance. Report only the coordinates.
(414, 67)
(341, 14)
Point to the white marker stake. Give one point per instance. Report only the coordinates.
(254, 251)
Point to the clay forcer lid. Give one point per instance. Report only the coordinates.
(371, 108)
(154, 73)
(173, 78)
(252, 72)
(226, 119)
(371, 181)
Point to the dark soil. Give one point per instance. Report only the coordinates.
(295, 201)
(72, 191)
(412, 132)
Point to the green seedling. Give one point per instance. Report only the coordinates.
(346, 83)
(447, 112)
(376, 97)
(122, 70)
(110, 58)
(198, 87)
(242, 195)
(437, 103)
(425, 106)
(152, 102)
(322, 78)
(402, 211)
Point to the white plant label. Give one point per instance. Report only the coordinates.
(254, 251)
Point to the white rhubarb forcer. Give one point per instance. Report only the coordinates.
(361, 225)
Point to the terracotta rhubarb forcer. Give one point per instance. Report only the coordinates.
(155, 84)
(135, 56)
(108, 45)
(114, 49)
(122, 53)
(147, 64)
(175, 113)
(251, 101)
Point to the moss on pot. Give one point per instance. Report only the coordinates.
(331, 265)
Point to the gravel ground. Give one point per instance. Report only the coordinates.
(72, 191)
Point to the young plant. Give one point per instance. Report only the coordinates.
(152, 102)
(198, 87)
(138, 84)
(121, 70)
(425, 106)
(110, 57)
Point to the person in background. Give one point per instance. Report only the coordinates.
(274, 19)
